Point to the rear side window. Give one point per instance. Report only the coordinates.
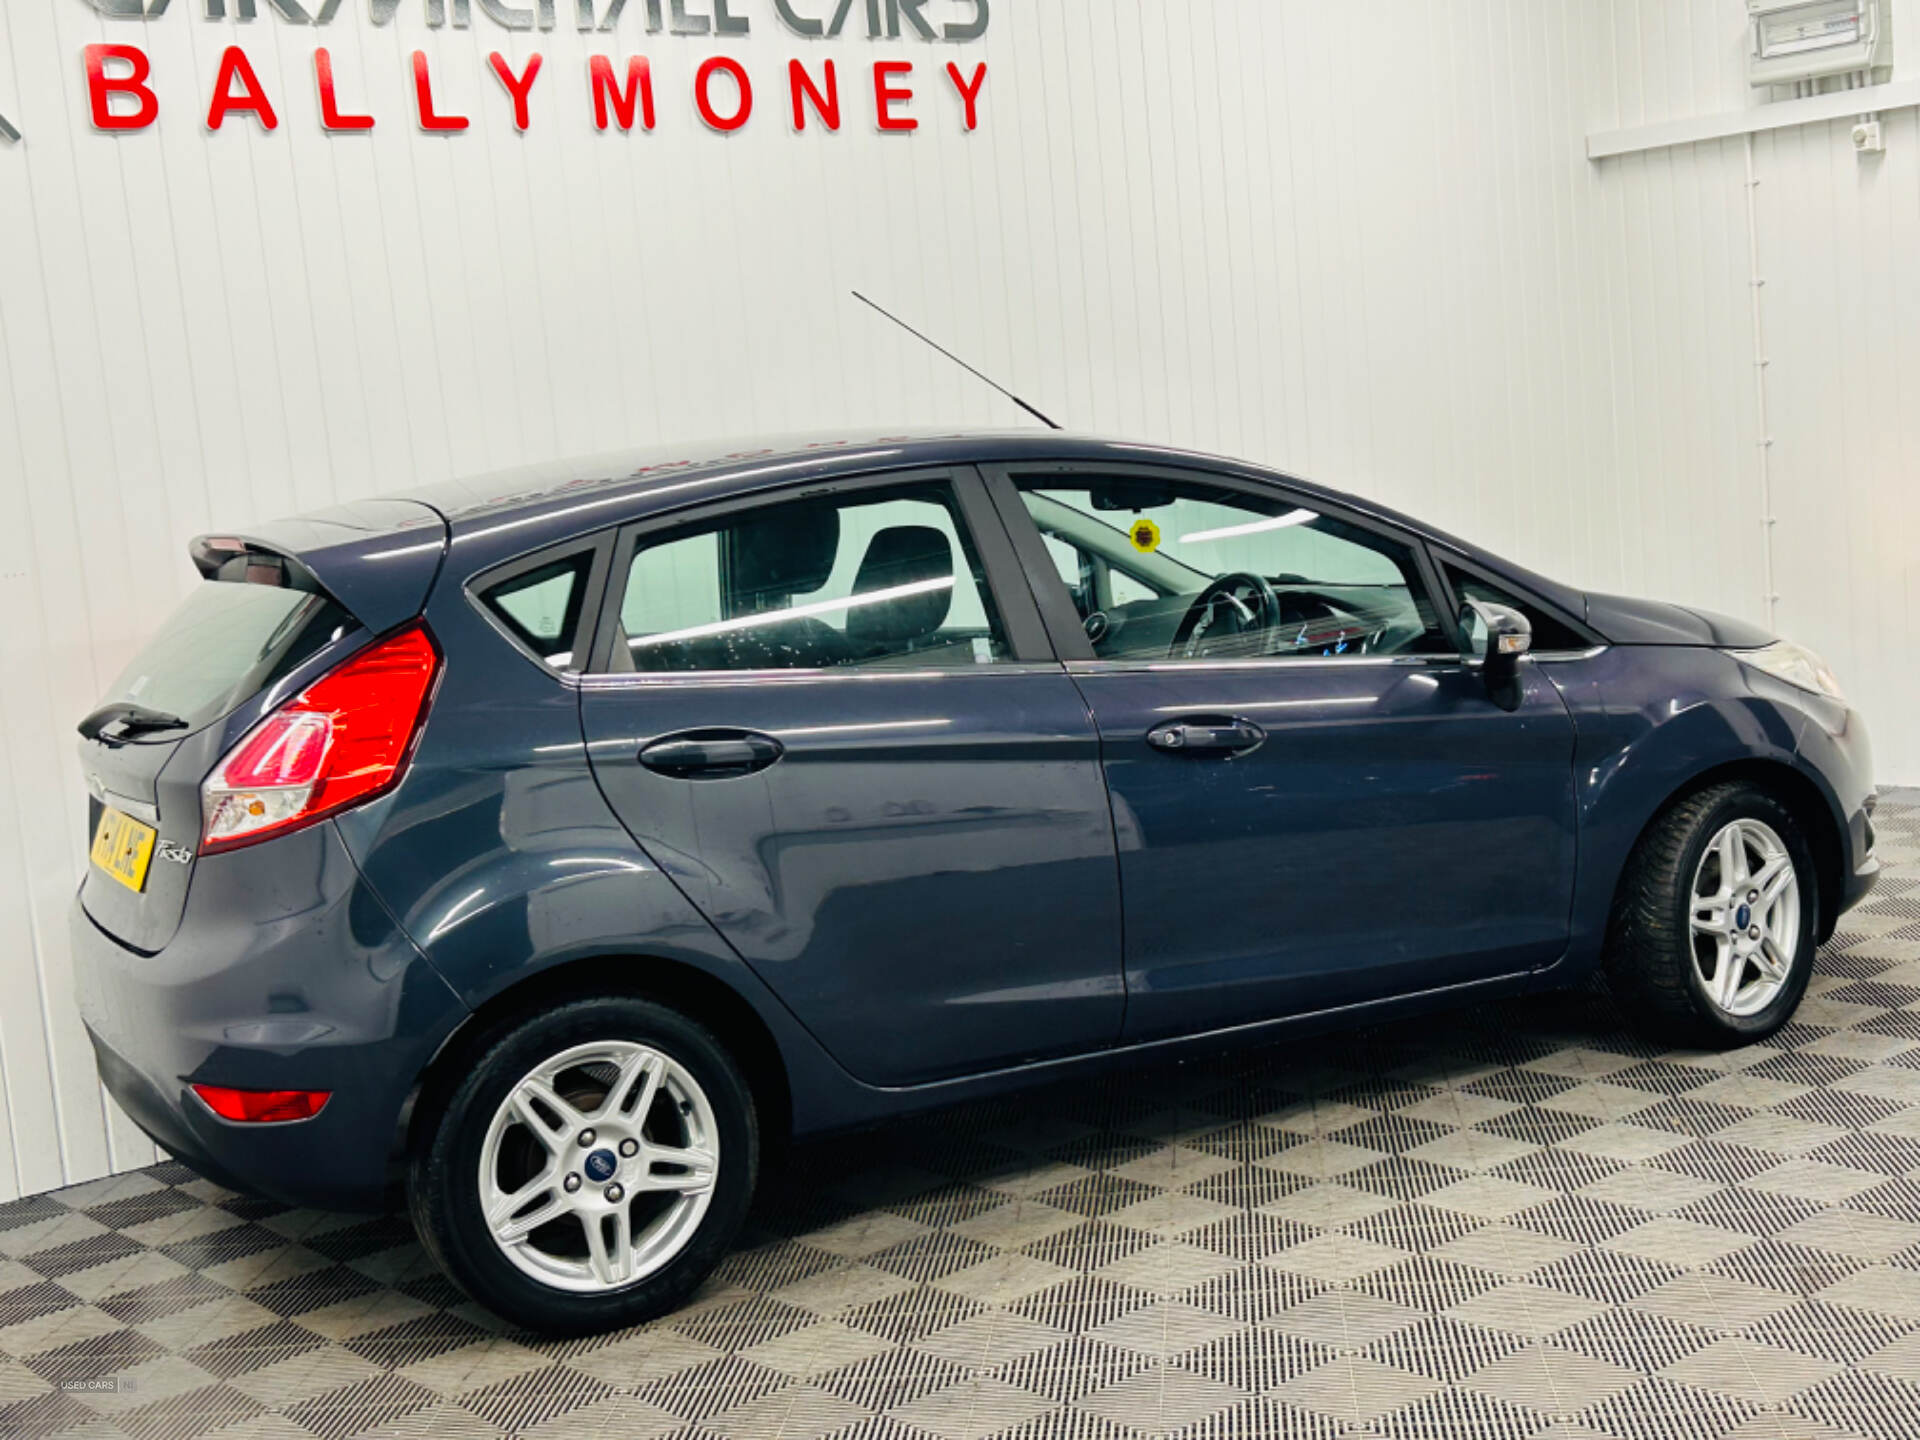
(229, 639)
(868, 578)
(541, 608)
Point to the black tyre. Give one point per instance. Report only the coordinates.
(1712, 935)
(590, 1166)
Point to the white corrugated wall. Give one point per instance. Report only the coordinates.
(1359, 241)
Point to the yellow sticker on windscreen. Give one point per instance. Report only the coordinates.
(1145, 536)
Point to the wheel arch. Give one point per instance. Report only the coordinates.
(1812, 808)
(692, 991)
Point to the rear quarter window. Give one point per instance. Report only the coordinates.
(540, 608)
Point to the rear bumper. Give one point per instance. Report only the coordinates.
(285, 973)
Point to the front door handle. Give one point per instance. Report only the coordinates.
(1207, 735)
(712, 754)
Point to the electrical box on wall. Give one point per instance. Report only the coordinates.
(1795, 40)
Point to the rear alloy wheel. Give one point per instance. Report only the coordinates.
(591, 1168)
(1712, 935)
(599, 1166)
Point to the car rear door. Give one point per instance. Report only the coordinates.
(1326, 812)
(834, 718)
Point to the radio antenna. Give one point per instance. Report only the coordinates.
(984, 379)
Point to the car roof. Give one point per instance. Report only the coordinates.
(661, 478)
(516, 511)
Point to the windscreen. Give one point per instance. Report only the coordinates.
(227, 640)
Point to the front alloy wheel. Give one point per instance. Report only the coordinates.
(1746, 918)
(585, 1168)
(1711, 939)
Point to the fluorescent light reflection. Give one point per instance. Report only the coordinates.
(635, 489)
(1277, 522)
(1228, 707)
(439, 544)
(863, 729)
(796, 612)
(456, 914)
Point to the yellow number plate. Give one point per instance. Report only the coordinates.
(123, 847)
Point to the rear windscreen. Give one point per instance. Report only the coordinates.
(228, 640)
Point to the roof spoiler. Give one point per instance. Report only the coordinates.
(377, 558)
(248, 562)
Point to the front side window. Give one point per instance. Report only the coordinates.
(869, 578)
(1184, 570)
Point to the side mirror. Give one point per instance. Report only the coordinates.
(1504, 635)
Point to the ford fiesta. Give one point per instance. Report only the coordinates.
(546, 846)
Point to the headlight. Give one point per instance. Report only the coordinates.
(1796, 665)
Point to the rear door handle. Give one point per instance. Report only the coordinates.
(1207, 735)
(711, 754)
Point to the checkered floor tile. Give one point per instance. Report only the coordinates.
(1511, 1222)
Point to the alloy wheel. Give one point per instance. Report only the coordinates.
(599, 1165)
(1744, 918)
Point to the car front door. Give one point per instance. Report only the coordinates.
(1317, 801)
(835, 719)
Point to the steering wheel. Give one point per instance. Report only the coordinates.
(1238, 604)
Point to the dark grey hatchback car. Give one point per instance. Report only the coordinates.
(547, 845)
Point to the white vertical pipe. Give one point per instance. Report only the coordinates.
(1756, 281)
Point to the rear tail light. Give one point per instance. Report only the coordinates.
(261, 1107)
(344, 739)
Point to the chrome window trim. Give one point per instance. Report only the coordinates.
(1281, 663)
(1270, 664)
(680, 678)
(1548, 657)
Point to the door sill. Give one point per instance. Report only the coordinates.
(1337, 1016)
